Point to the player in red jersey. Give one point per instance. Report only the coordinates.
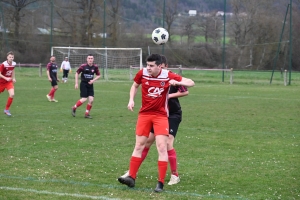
(155, 83)
(7, 80)
(175, 116)
(87, 71)
(52, 77)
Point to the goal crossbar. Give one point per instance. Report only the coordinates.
(114, 62)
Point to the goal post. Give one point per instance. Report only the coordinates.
(114, 63)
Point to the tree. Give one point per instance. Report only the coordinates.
(171, 12)
(16, 7)
(251, 26)
(115, 6)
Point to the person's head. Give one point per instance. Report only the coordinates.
(66, 58)
(52, 58)
(164, 63)
(154, 62)
(10, 56)
(90, 59)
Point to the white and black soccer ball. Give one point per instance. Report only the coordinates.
(160, 36)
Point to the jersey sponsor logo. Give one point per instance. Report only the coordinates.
(8, 73)
(88, 76)
(155, 92)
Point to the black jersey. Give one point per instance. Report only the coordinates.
(52, 68)
(87, 72)
(174, 104)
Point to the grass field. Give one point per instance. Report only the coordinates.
(237, 141)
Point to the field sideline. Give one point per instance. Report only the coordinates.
(237, 141)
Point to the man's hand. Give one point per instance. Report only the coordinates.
(173, 82)
(130, 105)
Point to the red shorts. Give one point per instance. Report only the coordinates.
(8, 85)
(145, 123)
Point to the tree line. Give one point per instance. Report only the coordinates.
(257, 33)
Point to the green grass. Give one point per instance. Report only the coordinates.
(237, 141)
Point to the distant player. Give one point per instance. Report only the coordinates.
(7, 80)
(87, 71)
(52, 77)
(65, 68)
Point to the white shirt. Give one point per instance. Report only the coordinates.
(65, 65)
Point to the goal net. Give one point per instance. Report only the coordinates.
(114, 63)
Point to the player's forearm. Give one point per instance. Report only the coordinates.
(1, 76)
(132, 93)
(48, 74)
(178, 94)
(76, 78)
(186, 82)
(96, 78)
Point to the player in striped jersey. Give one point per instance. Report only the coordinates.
(7, 80)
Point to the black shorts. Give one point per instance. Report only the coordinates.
(173, 126)
(86, 90)
(53, 82)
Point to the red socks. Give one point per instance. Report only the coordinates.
(88, 108)
(9, 102)
(173, 161)
(145, 153)
(134, 166)
(78, 103)
(162, 170)
(51, 93)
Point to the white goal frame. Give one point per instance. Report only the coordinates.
(114, 63)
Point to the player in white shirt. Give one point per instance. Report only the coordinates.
(66, 68)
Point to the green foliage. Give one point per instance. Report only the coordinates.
(237, 141)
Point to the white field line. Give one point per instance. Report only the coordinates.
(57, 193)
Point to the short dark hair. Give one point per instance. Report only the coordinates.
(90, 54)
(164, 60)
(10, 53)
(155, 57)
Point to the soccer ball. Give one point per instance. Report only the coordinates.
(160, 36)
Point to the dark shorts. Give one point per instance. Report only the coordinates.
(53, 82)
(173, 126)
(86, 90)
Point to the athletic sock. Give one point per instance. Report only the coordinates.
(145, 153)
(135, 163)
(88, 109)
(8, 103)
(162, 170)
(51, 93)
(78, 103)
(173, 161)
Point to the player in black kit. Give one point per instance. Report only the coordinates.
(52, 77)
(87, 71)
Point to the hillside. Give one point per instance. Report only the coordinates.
(143, 11)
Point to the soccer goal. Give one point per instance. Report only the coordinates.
(114, 63)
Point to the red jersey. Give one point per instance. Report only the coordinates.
(155, 91)
(6, 70)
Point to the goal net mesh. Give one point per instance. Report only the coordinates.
(113, 63)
